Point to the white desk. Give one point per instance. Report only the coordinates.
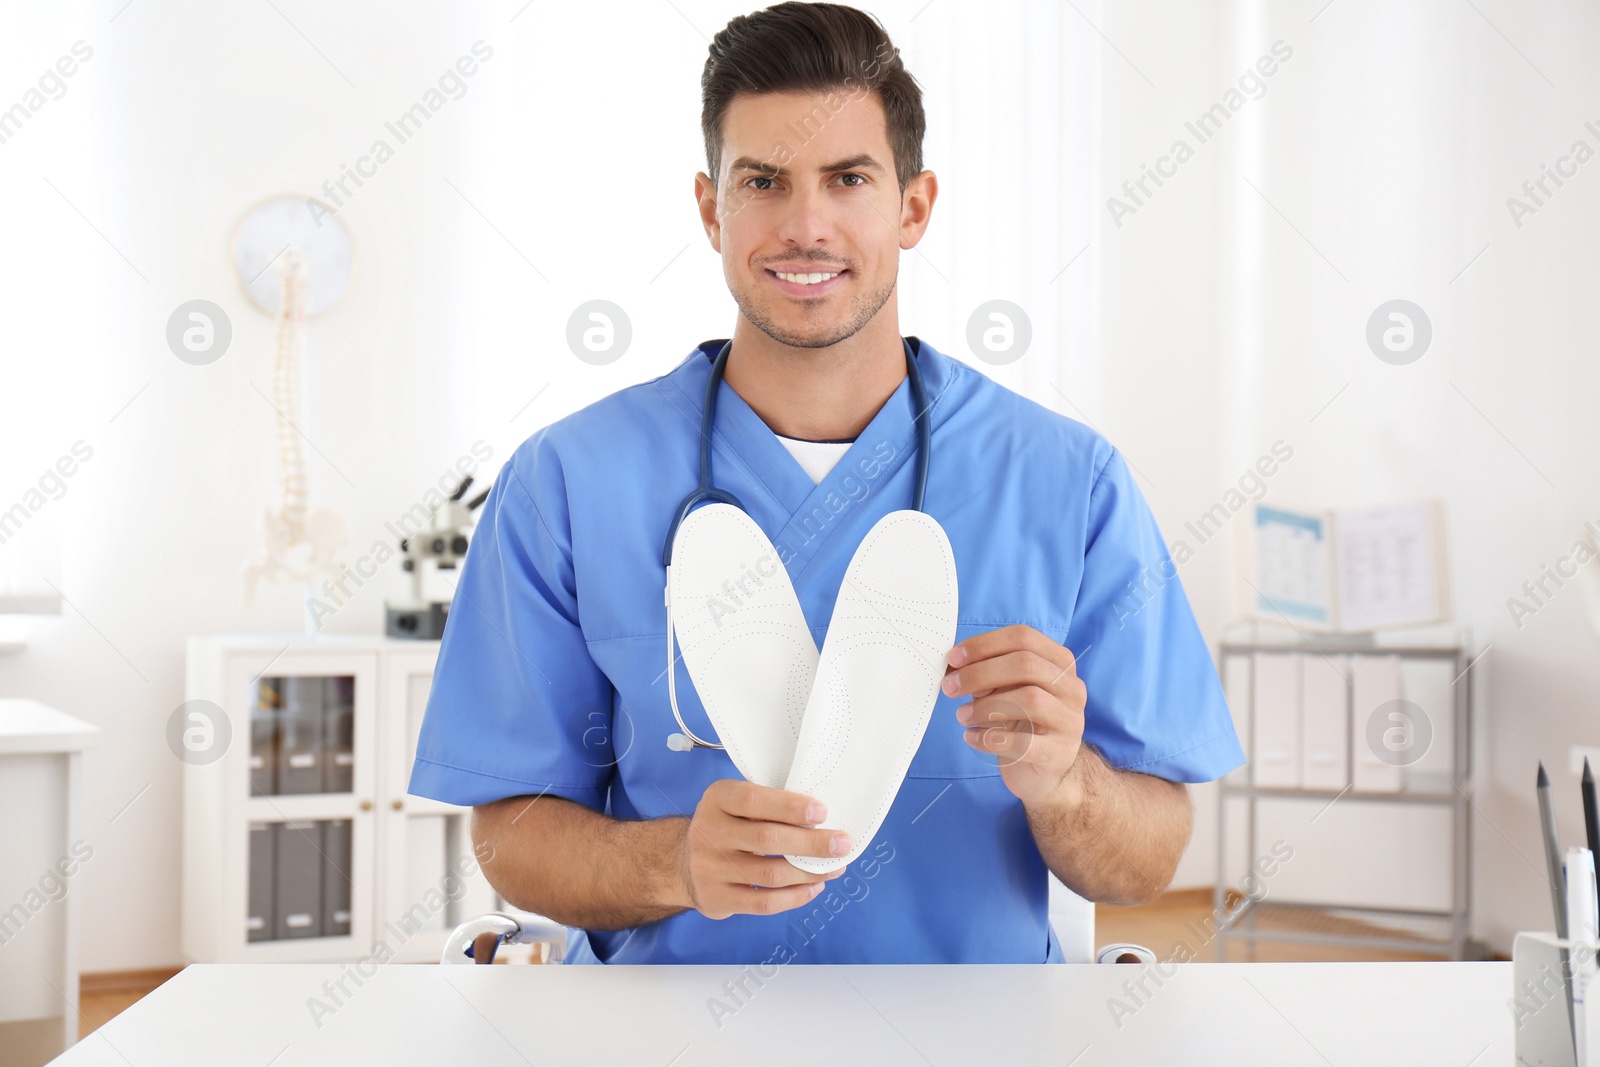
(1410, 1014)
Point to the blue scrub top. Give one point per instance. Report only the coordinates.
(550, 677)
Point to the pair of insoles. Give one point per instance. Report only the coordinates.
(841, 726)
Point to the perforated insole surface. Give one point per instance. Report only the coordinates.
(744, 638)
(877, 679)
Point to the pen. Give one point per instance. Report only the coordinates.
(1591, 819)
(1552, 851)
(1558, 893)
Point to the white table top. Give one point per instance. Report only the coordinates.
(1407, 1014)
(29, 726)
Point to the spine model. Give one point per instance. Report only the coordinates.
(297, 544)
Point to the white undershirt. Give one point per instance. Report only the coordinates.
(816, 458)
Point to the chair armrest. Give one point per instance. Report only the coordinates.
(503, 930)
(1125, 952)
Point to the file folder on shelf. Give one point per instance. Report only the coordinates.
(263, 845)
(1275, 758)
(338, 736)
(300, 731)
(336, 877)
(264, 736)
(1325, 722)
(298, 880)
(1374, 682)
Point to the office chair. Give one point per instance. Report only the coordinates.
(1071, 916)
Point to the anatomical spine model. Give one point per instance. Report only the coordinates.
(297, 546)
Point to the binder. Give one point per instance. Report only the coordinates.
(300, 736)
(1325, 721)
(1275, 759)
(338, 704)
(264, 737)
(1374, 681)
(297, 881)
(336, 877)
(258, 908)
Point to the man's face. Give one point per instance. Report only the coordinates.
(808, 187)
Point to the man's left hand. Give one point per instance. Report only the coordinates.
(1026, 708)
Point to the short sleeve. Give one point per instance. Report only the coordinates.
(1155, 704)
(517, 706)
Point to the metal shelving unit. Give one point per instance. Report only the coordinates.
(1446, 932)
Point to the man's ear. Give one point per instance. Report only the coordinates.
(705, 195)
(916, 208)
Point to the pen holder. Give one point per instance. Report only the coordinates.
(1538, 1002)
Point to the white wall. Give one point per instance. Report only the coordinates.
(1391, 142)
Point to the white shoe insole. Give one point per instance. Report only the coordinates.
(744, 638)
(877, 679)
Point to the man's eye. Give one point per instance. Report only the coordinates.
(762, 188)
(861, 176)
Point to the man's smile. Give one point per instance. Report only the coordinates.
(807, 283)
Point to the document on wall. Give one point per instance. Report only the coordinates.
(1292, 560)
(1353, 570)
(1390, 563)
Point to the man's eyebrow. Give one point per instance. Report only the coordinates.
(856, 162)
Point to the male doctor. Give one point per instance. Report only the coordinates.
(1078, 699)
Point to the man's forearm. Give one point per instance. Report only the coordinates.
(1111, 835)
(572, 864)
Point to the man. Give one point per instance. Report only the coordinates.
(1078, 698)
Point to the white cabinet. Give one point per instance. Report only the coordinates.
(41, 852)
(299, 842)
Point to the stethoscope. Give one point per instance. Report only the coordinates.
(687, 740)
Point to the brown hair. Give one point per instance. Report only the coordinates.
(812, 48)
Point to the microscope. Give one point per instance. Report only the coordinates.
(445, 543)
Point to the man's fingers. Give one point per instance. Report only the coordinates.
(772, 872)
(1013, 746)
(778, 839)
(747, 800)
(742, 900)
(1011, 669)
(1008, 639)
(1009, 706)
(1040, 710)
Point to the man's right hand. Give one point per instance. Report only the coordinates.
(731, 857)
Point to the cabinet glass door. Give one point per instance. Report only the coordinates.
(302, 735)
(304, 864)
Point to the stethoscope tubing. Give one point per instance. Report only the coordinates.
(687, 740)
